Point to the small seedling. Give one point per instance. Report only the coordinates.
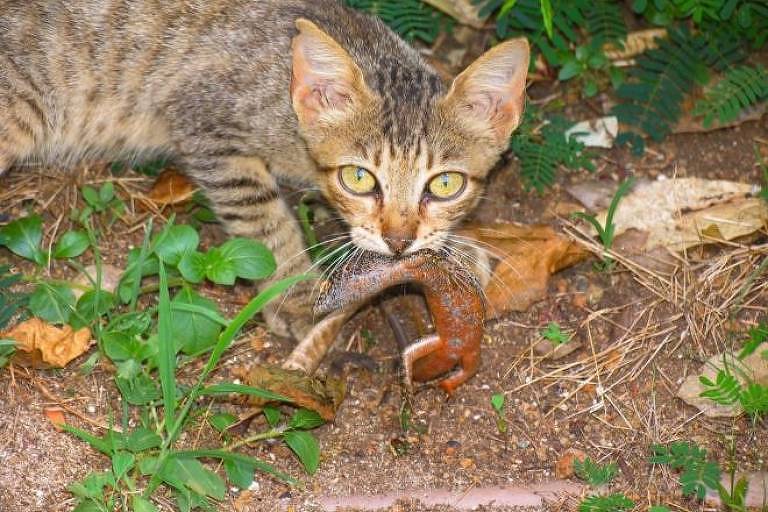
(611, 503)
(555, 334)
(498, 403)
(593, 473)
(698, 474)
(102, 200)
(607, 232)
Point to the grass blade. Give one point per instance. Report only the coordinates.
(167, 352)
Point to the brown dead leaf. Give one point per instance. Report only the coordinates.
(41, 344)
(528, 256)
(564, 465)
(685, 212)
(171, 187)
(56, 416)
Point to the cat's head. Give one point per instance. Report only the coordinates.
(403, 156)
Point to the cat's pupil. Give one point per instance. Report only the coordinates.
(360, 174)
(444, 180)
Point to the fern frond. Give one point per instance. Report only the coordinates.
(605, 23)
(10, 302)
(698, 473)
(654, 91)
(412, 19)
(543, 151)
(740, 88)
(610, 503)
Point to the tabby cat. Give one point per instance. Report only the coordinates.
(243, 93)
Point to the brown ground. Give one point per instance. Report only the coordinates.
(456, 444)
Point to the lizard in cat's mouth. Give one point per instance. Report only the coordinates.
(453, 299)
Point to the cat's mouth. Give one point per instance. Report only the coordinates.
(367, 240)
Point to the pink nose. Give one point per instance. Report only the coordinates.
(398, 245)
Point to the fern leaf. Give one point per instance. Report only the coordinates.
(697, 478)
(754, 399)
(724, 391)
(610, 503)
(740, 88)
(412, 19)
(605, 23)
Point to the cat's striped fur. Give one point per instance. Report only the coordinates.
(241, 98)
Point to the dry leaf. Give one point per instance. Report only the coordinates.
(636, 43)
(595, 133)
(685, 212)
(56, 416)
(171, 187)
(564, 465)
(529, 255)
(754, 366)
(41, 344)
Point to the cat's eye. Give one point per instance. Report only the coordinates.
(446, 185)
(357, 180)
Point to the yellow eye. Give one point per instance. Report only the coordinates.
(446, 185)
(357, 179)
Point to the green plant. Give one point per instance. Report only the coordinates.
(497, 402)
(764, 168)
(23, 237)
(607, 232)
(412, 19)
(102, 200)
(150, 454)
(697, 473)
(555, 334)
(610, 503)
(11, 302)
(652, 95)
(542, 147)
(593, 473)
(740, 88)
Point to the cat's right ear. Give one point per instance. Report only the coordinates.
(326, 83)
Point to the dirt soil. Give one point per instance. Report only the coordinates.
(612, 411)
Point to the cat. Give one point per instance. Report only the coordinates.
(246, 93)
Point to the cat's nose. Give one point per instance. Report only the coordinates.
(398, 244)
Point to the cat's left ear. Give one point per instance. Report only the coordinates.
(490, 93)
(326, 83)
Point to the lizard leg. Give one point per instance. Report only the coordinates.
(417, 350)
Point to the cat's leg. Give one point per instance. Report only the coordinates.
(244, 195)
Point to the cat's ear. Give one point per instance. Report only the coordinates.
(490, 93)
(326, 83)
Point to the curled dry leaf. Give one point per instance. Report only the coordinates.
(41, 344)
(171, 187)
(528, 256)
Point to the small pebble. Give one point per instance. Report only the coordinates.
(90, 408)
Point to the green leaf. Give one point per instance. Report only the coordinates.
(593, 473)
(195, 477)
(193, 332)
(305, 419)
(71, 244)
(52, 302)
(176, 241)
(141, 504)
(232, 456)
(272, 415)
(166, 360)
(143, 439)
(91, 306)
(141, 390)
(305, 446)
(107, 192)
(122, 462)
(193, 266)
(570, 69)
(555, 334)
(497, 402)
(250, 259)
(23, 237)
(91, 196)
(240, 473)
(547, 16)
(96, 442)
(228, 387)
(221, 421)
(218, 269)
(610, 503)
